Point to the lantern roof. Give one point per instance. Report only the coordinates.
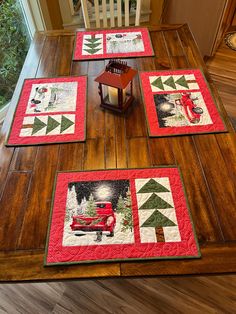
(117, 74)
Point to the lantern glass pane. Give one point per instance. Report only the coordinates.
(112, 95)
(105, 92)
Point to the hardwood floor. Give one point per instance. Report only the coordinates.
(213, 294)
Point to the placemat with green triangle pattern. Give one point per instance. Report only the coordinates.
(120, 214)
(179, 102)
(50, 110)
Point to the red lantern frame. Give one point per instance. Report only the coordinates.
(117, 75)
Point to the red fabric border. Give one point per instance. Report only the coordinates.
(71, 254)
(80, 113)
(155, 130)
(79, 42)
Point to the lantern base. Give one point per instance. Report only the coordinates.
(115, 108)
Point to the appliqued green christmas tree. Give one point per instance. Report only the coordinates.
(157, 220)
(92, 43)
(51, 124)
(161, 82)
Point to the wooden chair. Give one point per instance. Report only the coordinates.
(110, 12)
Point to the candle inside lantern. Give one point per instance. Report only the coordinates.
(116, 86)
(113, 95)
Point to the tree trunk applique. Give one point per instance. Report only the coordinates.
(157, 220)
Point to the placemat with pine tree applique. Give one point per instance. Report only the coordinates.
(114, 43)
(50, 110)
(179, 102)
(122, 214)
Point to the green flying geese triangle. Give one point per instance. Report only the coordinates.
(155, 202)
(38, 125)
(92, 40)
(65, 123)
(170, 82)
(92, 51)
(153, 186)
(92, 46)
(158, 83)
(52, 124)
(157, 219)
(182, 81)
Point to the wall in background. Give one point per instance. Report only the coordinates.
(50, 14)
(226, 22)
(156, 8)
(204, 18)
(54, 13)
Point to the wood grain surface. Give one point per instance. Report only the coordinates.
(207, 162)
(185, 294)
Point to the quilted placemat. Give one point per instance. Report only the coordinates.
(112, 215)
(115, 43)
(179, 102)
(50, 110)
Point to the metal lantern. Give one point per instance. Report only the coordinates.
(116, 86)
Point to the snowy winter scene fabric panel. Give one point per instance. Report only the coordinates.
(90, 207)
(113, 43)
(119, 215)
(179, 102)
(124, 43)
(50, 110)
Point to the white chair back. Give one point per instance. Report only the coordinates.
(108, 13)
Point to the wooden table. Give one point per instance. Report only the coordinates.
(208, 164)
